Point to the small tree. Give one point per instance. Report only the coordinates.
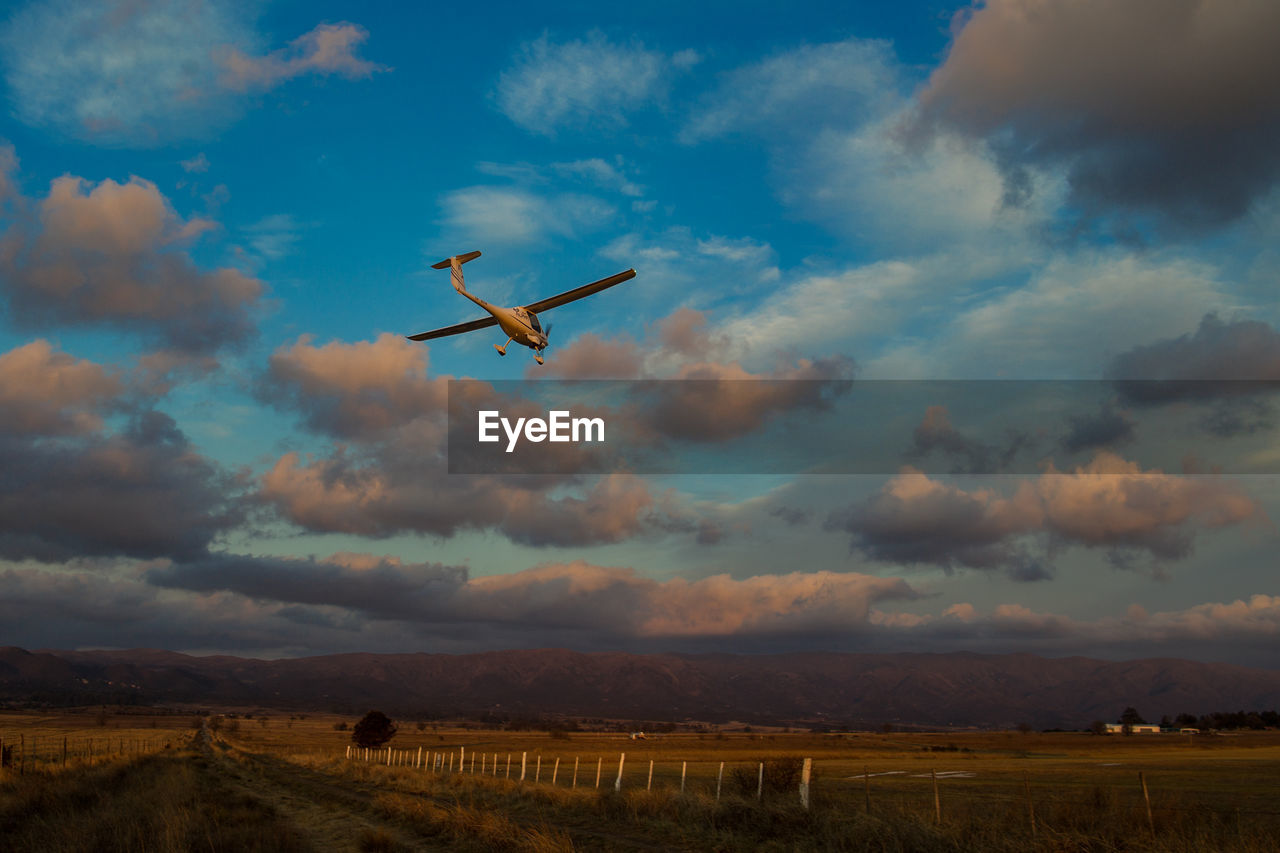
(373, 730)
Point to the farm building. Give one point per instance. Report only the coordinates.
(1137, 729)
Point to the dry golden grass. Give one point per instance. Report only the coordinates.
(1207, 793)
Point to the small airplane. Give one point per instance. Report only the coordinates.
(521, 323)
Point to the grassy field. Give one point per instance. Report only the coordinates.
(290, 777)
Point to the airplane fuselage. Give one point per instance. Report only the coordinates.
(520, 325)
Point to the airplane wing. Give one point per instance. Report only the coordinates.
(577, 293)
(482, 323)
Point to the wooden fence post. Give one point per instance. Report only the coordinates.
(555, 771)
(719, 779)
(617, 784)
(575, 771)
(937, 800)
(805, 770)
(760, 783)
(419, 764)
(462, 757)
(524, 761)
(508, 765)
(537, 771)
(599, 764)
(473, 762)
(1151, 823)
(684, 766)
(649, 785)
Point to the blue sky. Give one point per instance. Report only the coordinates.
(219, 220)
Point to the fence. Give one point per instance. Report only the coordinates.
(929, 793)
(24, 753)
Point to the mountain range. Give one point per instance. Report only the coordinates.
(826, 689)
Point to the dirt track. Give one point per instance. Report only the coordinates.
(342, 814)
(333, 817)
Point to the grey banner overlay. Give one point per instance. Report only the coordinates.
(841, 426)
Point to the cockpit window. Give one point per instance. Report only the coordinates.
(533, 321)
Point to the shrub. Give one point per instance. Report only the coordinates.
(373, 730)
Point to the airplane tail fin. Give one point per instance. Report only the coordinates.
(455, 265)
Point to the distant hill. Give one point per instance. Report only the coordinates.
(839, 689)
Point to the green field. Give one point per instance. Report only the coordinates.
(289, 780)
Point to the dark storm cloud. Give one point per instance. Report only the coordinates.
(1108, 427)
(115, 255)
(379, 588)
(143, 492)
(914, 520)
(1232, 367)
(1218, 359)
(70, 486)
(1161, 106)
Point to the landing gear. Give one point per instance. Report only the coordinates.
(502, 350)
(537, 356)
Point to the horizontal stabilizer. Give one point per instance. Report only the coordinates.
(462, 259)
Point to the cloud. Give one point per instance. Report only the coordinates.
(1108, 427)
(394, 478)
(487, 214)
(1229, 367)
(915, 519)
(380, 588)
(599, 173)
(935, 433)
(142, 492)
(114, 255)
(45, 392)
(590, 82)
(590, 356)
(1073, 314)
(1109, 503)
(1168, 109)
(358, 602)
(125, 73)
(1202, 364)
(196, 165)
(831, 116)
(696, 398)
(1113, 503)
(356, 390)
(273, 237)
(327, 49)
(793, 91)
(606, 602)
(341, 494)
